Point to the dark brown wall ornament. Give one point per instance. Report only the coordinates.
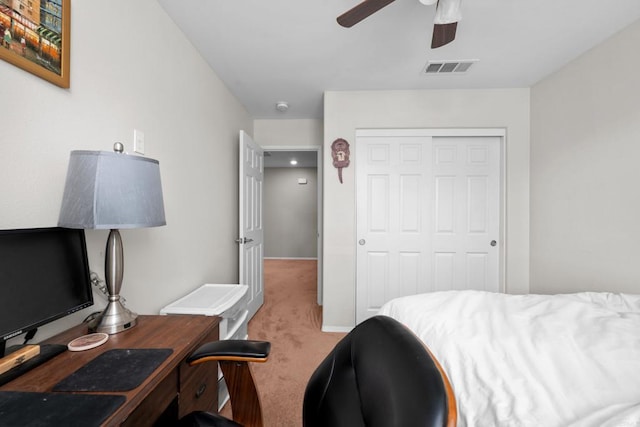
(340, 154)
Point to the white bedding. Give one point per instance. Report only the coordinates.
(533, 360)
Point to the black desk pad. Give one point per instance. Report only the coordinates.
(115, 370)
(26, 409)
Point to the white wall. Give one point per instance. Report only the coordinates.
(347, 111)
(130, 68)
(585, 196)
(290, 213)
(288, 133)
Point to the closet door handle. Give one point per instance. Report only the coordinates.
(493, 243)
(243, 240)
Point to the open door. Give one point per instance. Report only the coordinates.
(251, 234)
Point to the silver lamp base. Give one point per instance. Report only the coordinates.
(115, 318)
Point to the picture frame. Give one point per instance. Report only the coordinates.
(35, 36)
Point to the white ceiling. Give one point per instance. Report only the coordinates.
(293, 50)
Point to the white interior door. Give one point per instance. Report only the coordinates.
(392, 219)
(251, 234)
(428, 216)
(466, 213)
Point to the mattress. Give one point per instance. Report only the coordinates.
(533, 360)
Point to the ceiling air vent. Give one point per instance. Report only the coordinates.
(448, 67)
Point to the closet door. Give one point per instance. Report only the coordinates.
(466, 213)
(428, 216)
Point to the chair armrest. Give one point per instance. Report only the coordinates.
(231, 350)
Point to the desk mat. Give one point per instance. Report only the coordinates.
(115, 370)
(27, 409)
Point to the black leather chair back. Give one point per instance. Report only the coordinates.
(379, 375)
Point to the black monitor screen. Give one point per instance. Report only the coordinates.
(44, 275)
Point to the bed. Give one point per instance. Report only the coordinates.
(533, 360)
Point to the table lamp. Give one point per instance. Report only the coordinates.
(112, 190)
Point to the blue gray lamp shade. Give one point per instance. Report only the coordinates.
(108, 190)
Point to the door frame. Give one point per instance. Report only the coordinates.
(500, 133)
(319, 171)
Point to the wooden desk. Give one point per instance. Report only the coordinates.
(171, 391)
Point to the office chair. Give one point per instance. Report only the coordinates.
(379, 375)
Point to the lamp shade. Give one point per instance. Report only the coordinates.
(107, 190)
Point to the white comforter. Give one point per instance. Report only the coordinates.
(533, 360)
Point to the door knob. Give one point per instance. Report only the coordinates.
(493, 243)
(361, 242)
(243, 240)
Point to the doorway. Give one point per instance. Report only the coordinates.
(293, 205)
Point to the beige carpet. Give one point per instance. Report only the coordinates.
(291, 319)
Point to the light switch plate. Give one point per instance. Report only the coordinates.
(138, 141)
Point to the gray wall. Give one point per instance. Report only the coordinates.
(290, 213)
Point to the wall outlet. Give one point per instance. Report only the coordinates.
(138, 141)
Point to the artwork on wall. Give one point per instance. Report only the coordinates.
(35, 37)
(340, 155)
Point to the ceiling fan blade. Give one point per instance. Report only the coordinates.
(443, 34)
(448, 14)
(361, 11)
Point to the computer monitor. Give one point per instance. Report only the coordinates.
(44, 275)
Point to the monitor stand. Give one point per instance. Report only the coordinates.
(47, 352)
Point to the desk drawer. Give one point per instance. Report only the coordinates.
(199, 384)
(154, 405)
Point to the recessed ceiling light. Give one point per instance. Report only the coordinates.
(293, 162)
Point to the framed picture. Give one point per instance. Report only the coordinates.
(35, 37)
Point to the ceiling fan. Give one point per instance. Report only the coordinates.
(445, 22)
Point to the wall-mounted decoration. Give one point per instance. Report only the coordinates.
(35, 37)
(340, 154)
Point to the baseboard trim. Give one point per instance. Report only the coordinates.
(292, 258)
(329, 328)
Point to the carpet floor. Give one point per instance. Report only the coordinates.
(291, 320)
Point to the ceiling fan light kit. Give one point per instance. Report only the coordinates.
(448, 14)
